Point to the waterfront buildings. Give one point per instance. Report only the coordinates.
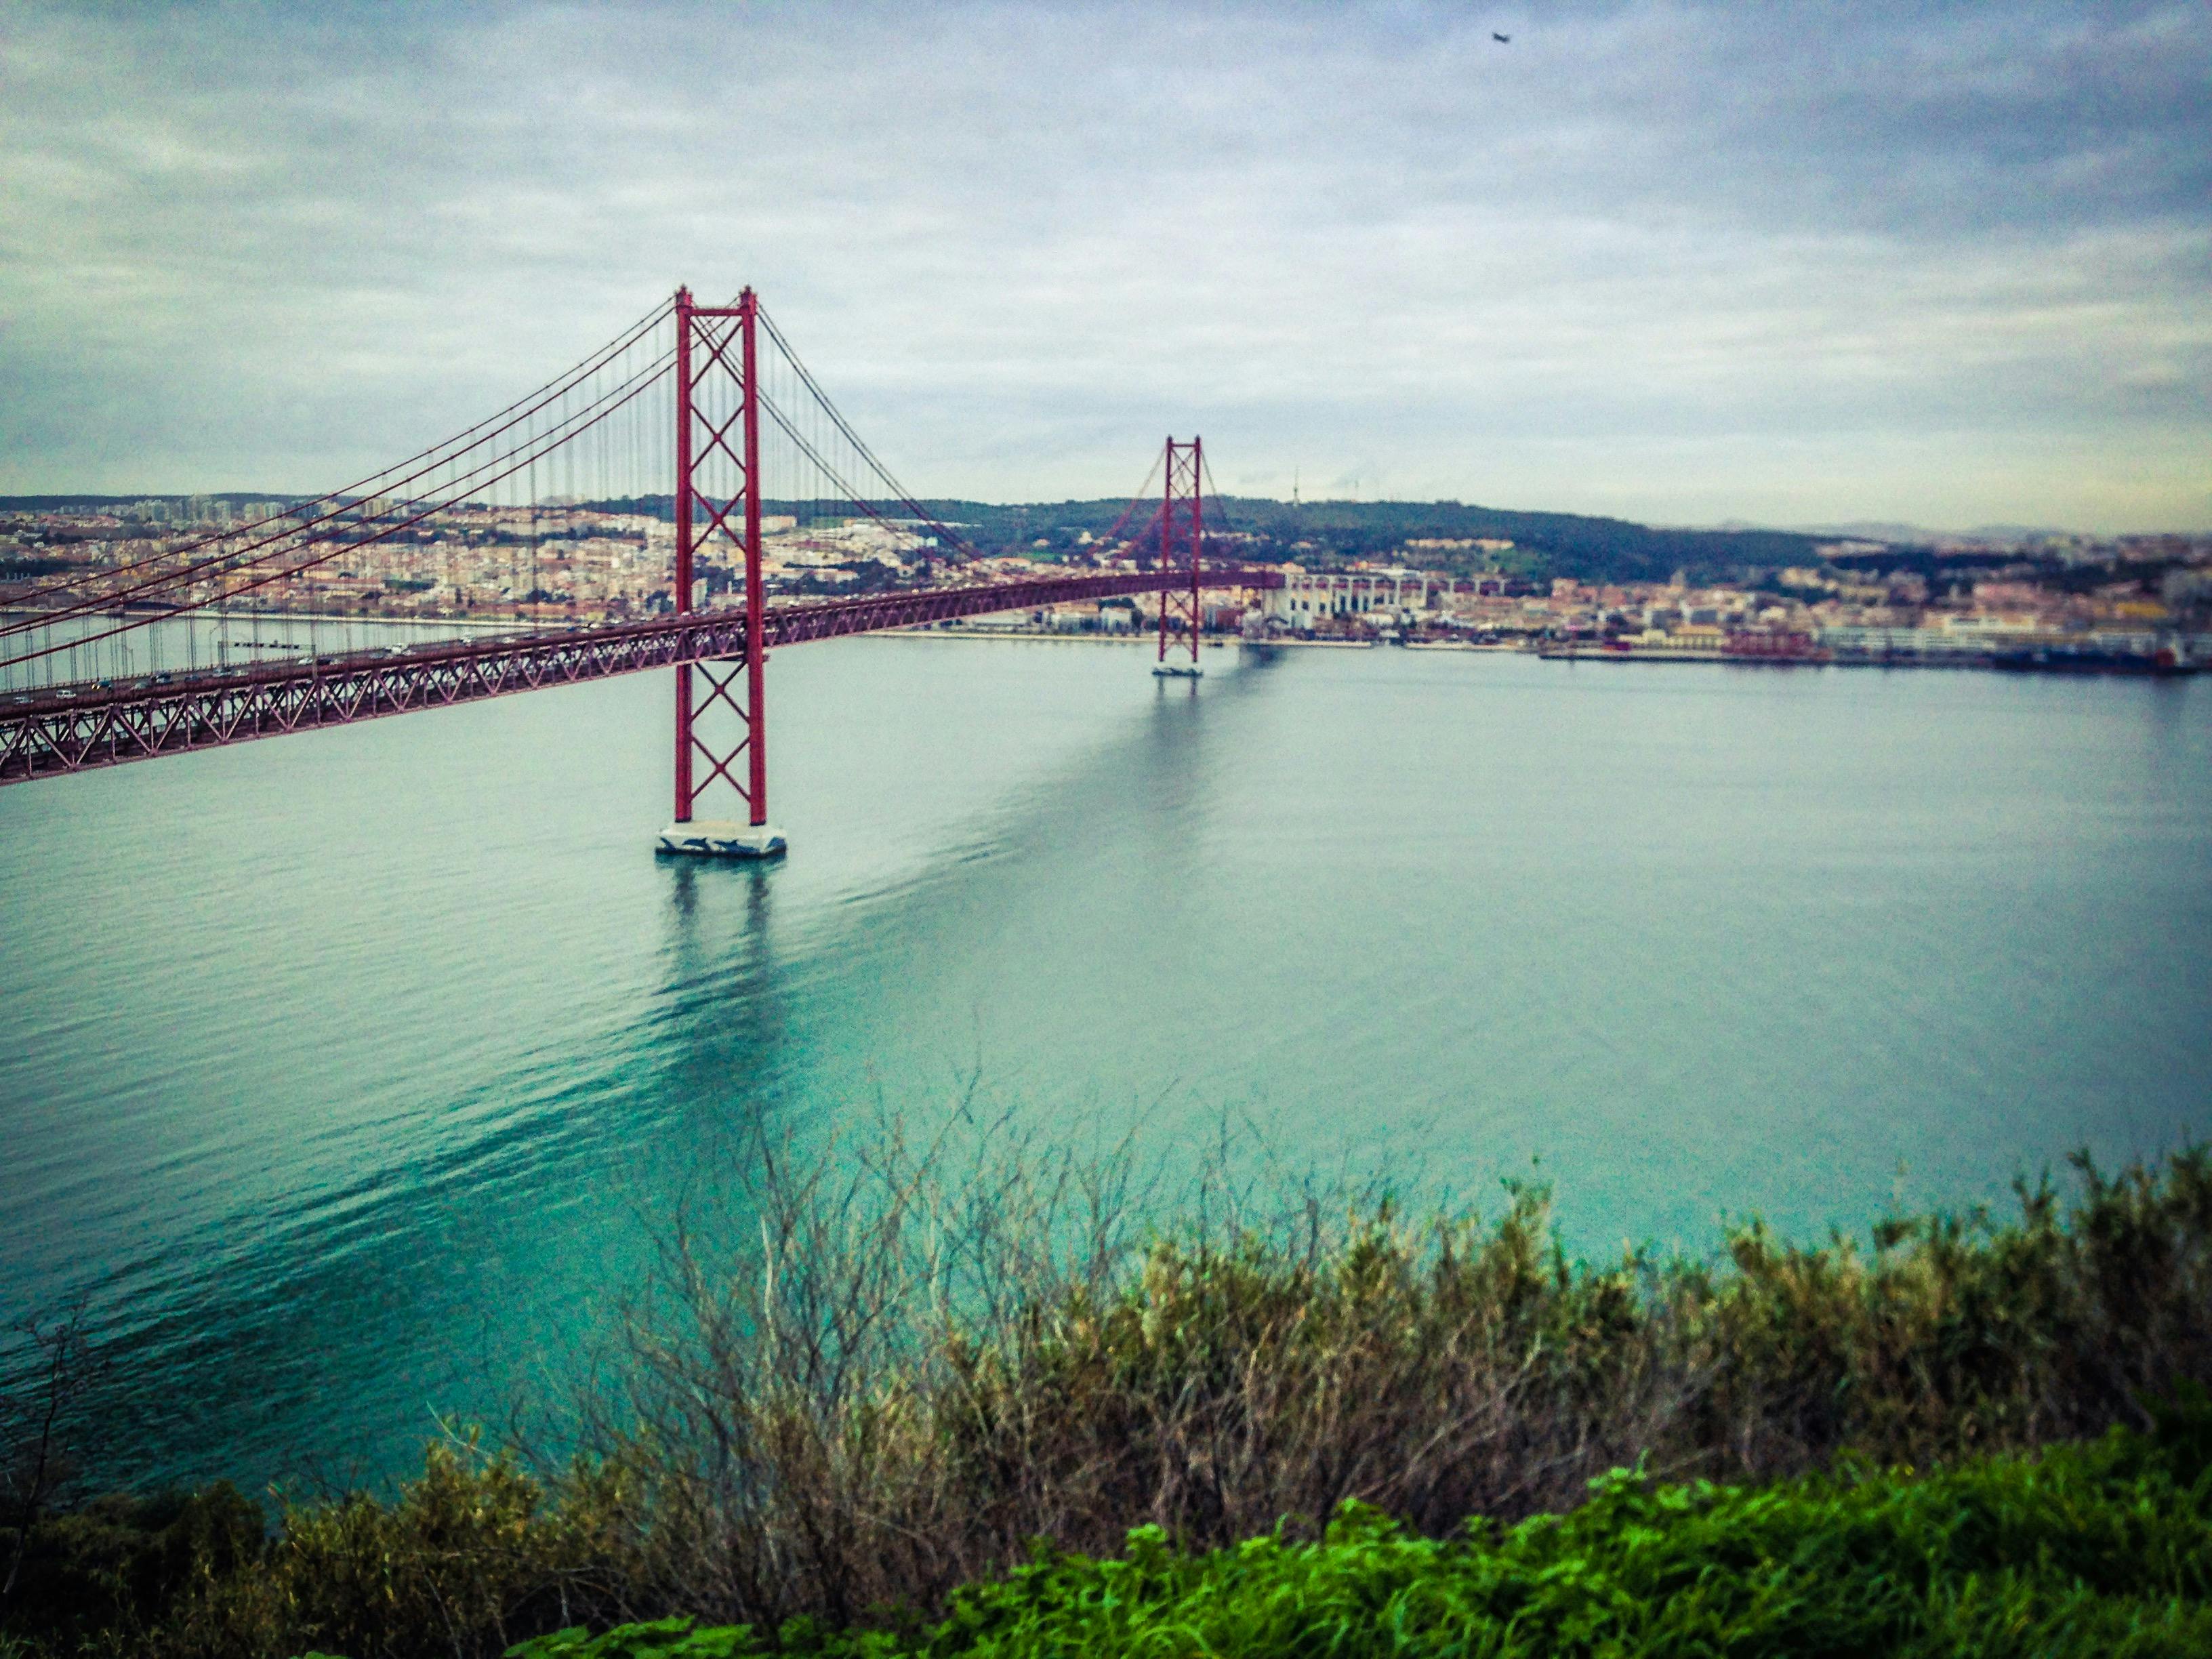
(553, 563)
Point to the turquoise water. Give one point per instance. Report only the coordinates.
(350, 1075)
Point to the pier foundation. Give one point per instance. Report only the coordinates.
(716, 838)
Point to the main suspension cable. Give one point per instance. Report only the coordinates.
(638, 383)
(374, 483)
(238, 558)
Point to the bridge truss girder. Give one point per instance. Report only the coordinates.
(75, 728)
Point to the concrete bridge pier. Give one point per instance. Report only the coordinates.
(721, 838)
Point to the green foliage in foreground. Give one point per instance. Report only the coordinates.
(2102, 1549)
(834, 1424)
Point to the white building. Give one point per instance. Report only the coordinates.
(1307, 597)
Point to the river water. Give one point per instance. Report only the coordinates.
(348, 1076)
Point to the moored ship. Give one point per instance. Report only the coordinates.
(2164, 658)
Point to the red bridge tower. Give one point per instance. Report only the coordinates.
(718, 496)
(1182, 535)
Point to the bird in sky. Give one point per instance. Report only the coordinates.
(1502, 40)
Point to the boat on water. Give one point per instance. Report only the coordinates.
(2165, 659)
(1767, 650)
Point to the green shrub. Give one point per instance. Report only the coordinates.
(469, 1556)
(120, 1561)
(849, 1414)
(887, 1385)
(2101, 1550)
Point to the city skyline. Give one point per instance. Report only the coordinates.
(1935, 264)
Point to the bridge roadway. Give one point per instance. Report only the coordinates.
(71, 728)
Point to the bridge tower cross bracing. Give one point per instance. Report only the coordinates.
(1183, 537)
(713, 395)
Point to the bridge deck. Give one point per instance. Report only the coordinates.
(70, 729)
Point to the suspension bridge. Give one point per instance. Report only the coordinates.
(709, 404)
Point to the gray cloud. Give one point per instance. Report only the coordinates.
(1678, 261)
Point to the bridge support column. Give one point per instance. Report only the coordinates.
(721, 709)
(1182, 527)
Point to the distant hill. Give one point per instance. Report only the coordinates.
(1544, 544)
(1913, 535)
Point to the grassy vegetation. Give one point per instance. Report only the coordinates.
(897, 1371)
(2103, 1550)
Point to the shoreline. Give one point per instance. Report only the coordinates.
(1001, 636)
(1147, 637)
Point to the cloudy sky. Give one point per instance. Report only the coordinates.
(1780, 262)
